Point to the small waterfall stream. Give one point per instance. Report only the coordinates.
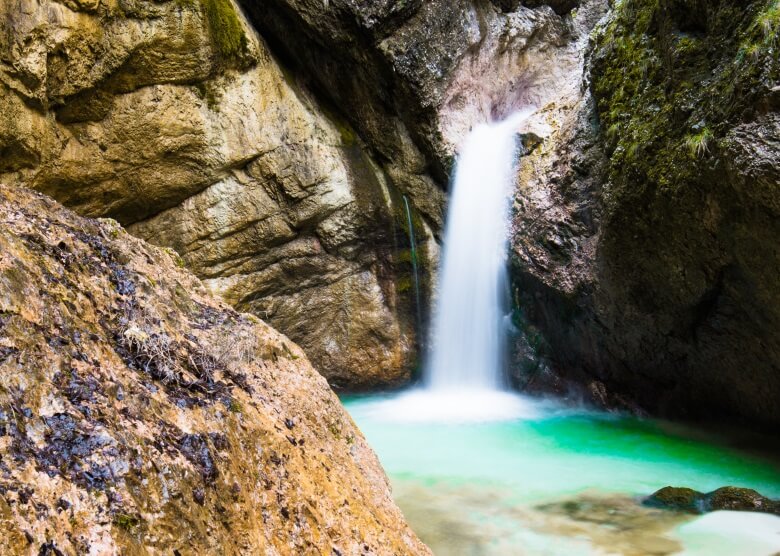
(464, 372)
(468, 338)
(415, 268)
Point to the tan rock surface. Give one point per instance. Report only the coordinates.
(140, 416)
(174, 118)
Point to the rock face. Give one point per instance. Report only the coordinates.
(416, 76)
(645, 251)
(138, 415)
(283, 190)
(173, 118)
(412, 78)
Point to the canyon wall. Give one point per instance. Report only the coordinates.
(645, 251)
(175, 119)
(278, 174)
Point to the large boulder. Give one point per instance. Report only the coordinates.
(139, 415)
(644, 253)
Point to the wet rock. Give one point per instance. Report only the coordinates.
(725, 498)
(676, 498)
(741, 500)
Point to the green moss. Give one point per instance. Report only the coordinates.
(177, 260)
(348, 135)
(660, 68)
(768, 22)
(226, 30)
(288, 353)
(126, 521)
(403, 284)
(209, 93)
(235, 406)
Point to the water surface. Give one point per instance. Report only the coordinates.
(550, 481)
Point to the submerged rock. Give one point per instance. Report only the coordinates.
(615, 523)
(139, 415)
(725, 498)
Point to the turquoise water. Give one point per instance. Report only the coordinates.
(501, 481)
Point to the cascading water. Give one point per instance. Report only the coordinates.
(479, 469)
(468, 340)
(464, 373)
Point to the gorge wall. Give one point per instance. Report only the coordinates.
(174, 119)
(281, 185)
(645, 251)
(273, 152)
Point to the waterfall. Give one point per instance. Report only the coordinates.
(463, 376)
(468, 340)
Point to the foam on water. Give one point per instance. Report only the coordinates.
(451, 406)
(731, 534)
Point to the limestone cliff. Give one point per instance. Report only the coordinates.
(174, 118)
(140, 416)
(413, 77)
(645, 252)
(283, 190)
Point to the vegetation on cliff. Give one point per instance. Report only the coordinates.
(671, 77)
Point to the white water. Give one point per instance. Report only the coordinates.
(468, 336)
(463, 379)
(480, 470)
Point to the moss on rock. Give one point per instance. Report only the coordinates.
(226, 30)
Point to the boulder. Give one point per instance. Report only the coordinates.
(725, 498)
(140, 415)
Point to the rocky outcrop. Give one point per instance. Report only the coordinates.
(645, 256)
(138, 415)
(174, 118)
(416, 76)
